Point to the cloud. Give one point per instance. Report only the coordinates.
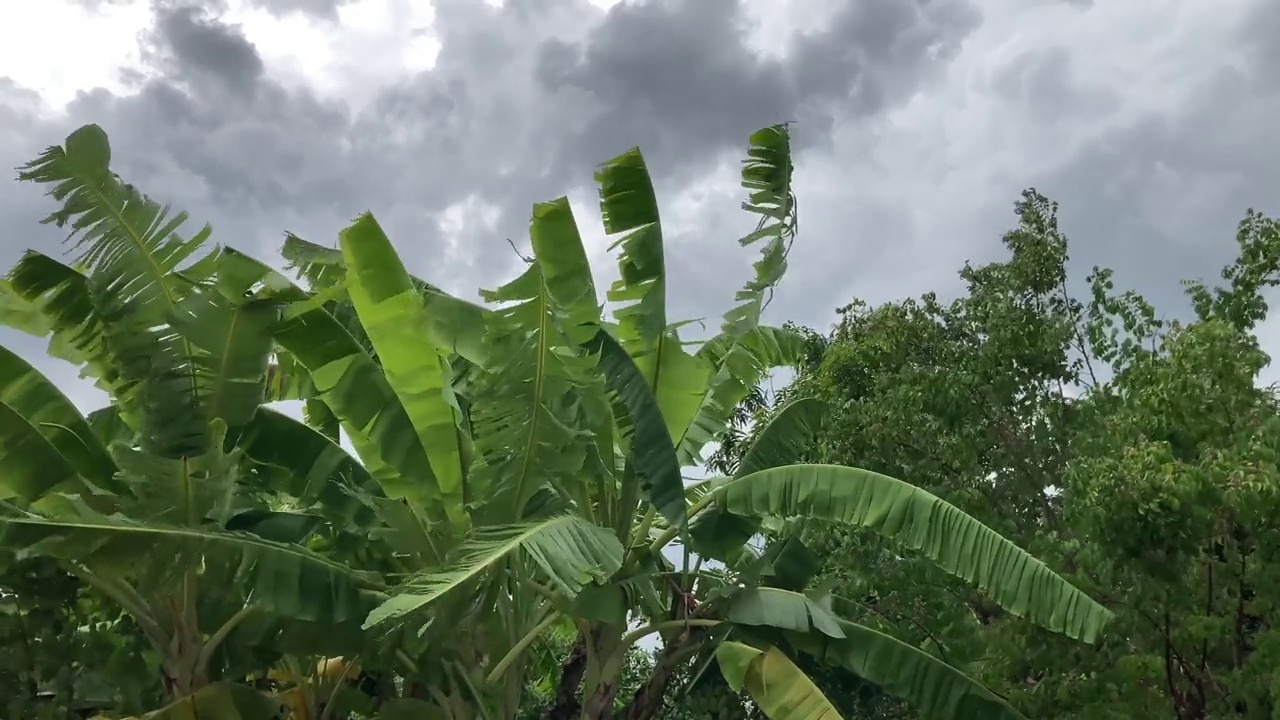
(205, 50)
(918, 122)
(1149, 125)
(522, 102)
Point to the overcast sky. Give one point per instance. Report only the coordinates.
(918, 124)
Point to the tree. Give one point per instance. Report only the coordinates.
(1130, 451)
(159, 502)
(519, 467)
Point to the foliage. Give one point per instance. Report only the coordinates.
(519, 469)
(1135, 452)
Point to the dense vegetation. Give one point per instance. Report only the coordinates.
(515, 524)
(1135, 452)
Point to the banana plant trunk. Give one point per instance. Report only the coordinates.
(590, 675)
(648, 700)
(566, 705)
(182, 662)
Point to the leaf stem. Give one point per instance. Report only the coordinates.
(221, 634)
(670, 533)
(518, 649)
(635, 635)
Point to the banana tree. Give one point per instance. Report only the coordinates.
(538, 449)
(518, 464)
(157, 501)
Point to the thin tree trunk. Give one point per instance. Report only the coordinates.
(566, 705)
(600, 704)
(647, 702)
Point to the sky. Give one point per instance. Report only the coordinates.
(917, 125)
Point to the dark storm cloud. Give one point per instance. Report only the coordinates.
(203, 48)
(678, 78)
(1153, 180)
(522, 103)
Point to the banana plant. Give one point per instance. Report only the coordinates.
(519, 463)
(537, 447)
(156, 501)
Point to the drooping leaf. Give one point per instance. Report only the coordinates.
(786, 438)
(920, 521)
(570, 552)
(30, 465)
(782, 609)
(781, 690)
(934, 689)
(286, 579)
(109, 427)
(37, 400)
(62, 296)
(21, 314)
(739, 364)
(653, 455)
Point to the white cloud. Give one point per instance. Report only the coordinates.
(58, 48)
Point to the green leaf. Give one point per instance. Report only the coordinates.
(679, 382)
(570, 551)
(138, 271)
(781, 690)
(739, 364)
(352, 385)
(109, 426)
(628, 205)
(719, 534)
(524, 428)
(288, 580)
(566, 272)
(786, 438)
(934, 689)
(392, 313)
(126, 238)
(782, 609)
(453, 324)
(62, 296)
(654, 456)
(282, 527)
(317, 469)
(231, 341)
(766, 174)
(37, 400)
(21, 314)
(30, 465)
(320, 266)
(922, 522)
